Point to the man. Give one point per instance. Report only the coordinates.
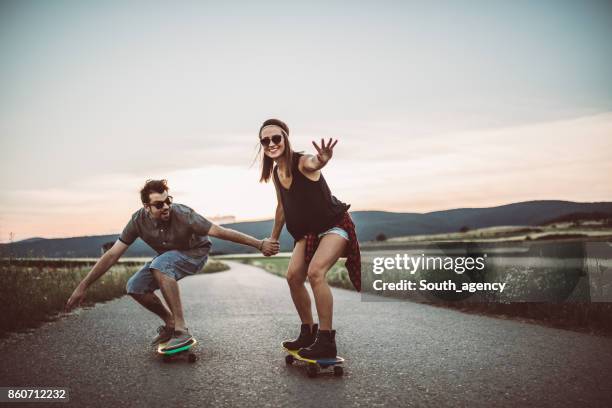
(180, 237)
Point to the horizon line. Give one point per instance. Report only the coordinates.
(360, 210)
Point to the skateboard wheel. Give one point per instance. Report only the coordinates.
(166, 358)
(312, 371)
(338, 371)
(289, 359)
(192, 358)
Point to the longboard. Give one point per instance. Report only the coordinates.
(183, 350)
(314, 367)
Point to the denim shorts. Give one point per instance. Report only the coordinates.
(175, 264)
(335, 230)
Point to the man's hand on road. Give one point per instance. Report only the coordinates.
(76, 299)
(270, 247)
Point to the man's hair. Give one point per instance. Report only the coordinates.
(152, 186)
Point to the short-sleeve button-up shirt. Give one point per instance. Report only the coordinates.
(185, 230)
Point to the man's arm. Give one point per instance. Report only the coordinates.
(105, 262)
(265, 246)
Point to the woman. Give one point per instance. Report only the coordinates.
(321, 227)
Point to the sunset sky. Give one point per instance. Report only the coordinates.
(436, 105)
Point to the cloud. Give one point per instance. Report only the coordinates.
(565, 159)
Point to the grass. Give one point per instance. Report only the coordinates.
(592, 230)
(35, 291)
(213, 266)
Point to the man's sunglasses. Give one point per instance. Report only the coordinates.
(265, 141)
(160, 204)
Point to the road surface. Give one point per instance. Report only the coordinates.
(398, 354)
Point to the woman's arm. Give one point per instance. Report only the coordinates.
(324, 154)
(279, 217)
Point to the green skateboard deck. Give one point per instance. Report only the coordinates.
(314, 367)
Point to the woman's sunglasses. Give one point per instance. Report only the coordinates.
(160, 204)
(265, 141)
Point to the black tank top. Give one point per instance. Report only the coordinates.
(308, 205)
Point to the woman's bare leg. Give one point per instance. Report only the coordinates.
(296, 276)
(331, 247)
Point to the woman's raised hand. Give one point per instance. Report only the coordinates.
(325, 153)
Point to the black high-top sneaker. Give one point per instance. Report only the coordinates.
(324, 346)
(305, 339)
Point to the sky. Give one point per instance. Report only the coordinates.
(436, 105)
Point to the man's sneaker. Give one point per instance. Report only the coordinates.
(164, 333)
(180, 338)
(324, 346)
(305, 339)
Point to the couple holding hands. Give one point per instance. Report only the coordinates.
(318, 222)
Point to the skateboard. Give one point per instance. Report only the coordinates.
(169, 355)
(314, 367)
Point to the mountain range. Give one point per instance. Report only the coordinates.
(369, 224)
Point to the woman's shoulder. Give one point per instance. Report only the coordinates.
(297, 157)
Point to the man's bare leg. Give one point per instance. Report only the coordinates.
(170, 290)
(155, 305)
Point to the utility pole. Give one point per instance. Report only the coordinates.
(11, 238)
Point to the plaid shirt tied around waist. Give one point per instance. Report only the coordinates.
(352, 253)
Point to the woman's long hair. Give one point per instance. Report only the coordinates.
(267, 164)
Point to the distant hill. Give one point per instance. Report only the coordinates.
(581, 217)
(34, 239)
(368, 223)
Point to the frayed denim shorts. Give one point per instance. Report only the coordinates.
(337, 231)
(175, 264)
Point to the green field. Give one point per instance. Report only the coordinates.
(36, 290)
(500, 234)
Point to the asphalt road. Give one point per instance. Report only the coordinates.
(398, 354)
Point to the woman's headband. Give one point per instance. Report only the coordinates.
(278, 126)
